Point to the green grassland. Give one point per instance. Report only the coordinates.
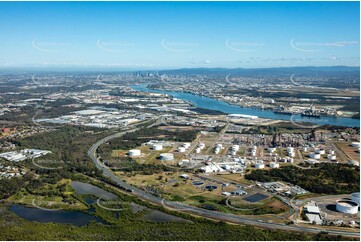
(49, 196)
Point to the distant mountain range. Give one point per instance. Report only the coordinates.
(188, 71)
(280, 70)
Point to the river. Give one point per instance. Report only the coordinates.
(214, 104)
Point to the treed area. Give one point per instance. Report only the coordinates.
(134, 139)
(69, 144)
(138, 230)
(324, 178)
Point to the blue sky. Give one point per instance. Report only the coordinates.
(160, 35)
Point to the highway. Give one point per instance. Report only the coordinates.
(195, 210)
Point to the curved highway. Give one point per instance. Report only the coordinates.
(195, 210)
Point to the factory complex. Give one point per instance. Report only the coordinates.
(99, 117)
(22, 155)
(333, 211)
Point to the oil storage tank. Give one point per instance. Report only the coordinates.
(157, 147)
(181, 149)
(166, 156)
(356, 197)
(346, 206)
(133, 153)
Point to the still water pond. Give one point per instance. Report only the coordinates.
(79, 218)
(76, 218)
(86, 188)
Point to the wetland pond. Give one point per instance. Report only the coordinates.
(80, 218)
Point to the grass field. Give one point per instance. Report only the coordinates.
(269, 205)
(48, 197)
(350, 151)
(170, 186)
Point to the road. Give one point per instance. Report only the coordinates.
(195, 210)
(305, 168)
(223, 131)
(340, 152)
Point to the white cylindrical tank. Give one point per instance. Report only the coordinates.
(219, 146)
(354, 162)
(259, 165)
(271, 150)
(181, 149)
(166, 156)
(331, 157)
(345, 206)
(133, 153)
(320, 151)
(201, 145)
(315, 156)
(186, 145)
(198, 150)
(356, 197)
(274, 165)
(157, 147)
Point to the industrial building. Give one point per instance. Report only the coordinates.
(237, 116)
(21, 155)
(312, 212)
(239, 193)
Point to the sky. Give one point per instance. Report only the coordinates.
(166, 35)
